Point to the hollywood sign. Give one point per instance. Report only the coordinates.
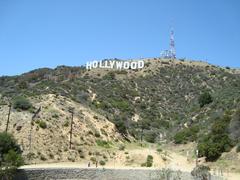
(112, 64)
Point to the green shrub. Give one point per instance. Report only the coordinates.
(23, 85)
(21, 103)
(43, 158)
(121, 147)
(10, 156)
(102, 163)
(121, 105)
(185, 135)
(95, 117)
(205, 98)
(227, 67)
(109, 76)
(51, 156)
(217, 141)
(7, 142)
(148, 162)
(180, 137)
(97, 134)
(120, 125)
(103, 132)
(103, 143)
(13, 158)
(159, 150)
(93, 159)
(66, 124)
(30, 156)
(82, 156)
(56, 116)
(150, 136)
(79, 150)
(201, 172)
(42, 124)
(238, 148)
(167, 174)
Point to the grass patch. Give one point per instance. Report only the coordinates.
(102, 143)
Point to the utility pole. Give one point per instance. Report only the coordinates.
(197, 157)
(71, 110)
(141, 138)
(9, 113)
(30, 134)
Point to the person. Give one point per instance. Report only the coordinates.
(89, 164)
(96, 164)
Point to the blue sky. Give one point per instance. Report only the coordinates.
(47, 33)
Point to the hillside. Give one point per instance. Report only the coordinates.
(159, 103)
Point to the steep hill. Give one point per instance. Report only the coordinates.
(157, 103)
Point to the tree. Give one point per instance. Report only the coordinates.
(205, 98)
(120, 125)
(150, 136)
(10, 156)
(217, 141)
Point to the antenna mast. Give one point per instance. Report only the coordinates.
(172, 45)
(171, 53)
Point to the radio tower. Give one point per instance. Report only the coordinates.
(172, 45)
(171, 52)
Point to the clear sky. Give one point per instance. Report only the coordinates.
(47, 33)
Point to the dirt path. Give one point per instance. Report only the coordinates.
(165, 159)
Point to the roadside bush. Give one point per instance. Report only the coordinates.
(217, 141)
(169, 174)
(30, 156)
(10, 156)
(43, 158)
(81, 154)
(201, 172)
(93, 159)
(21, 103)
(149, 161)
(102, 163)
